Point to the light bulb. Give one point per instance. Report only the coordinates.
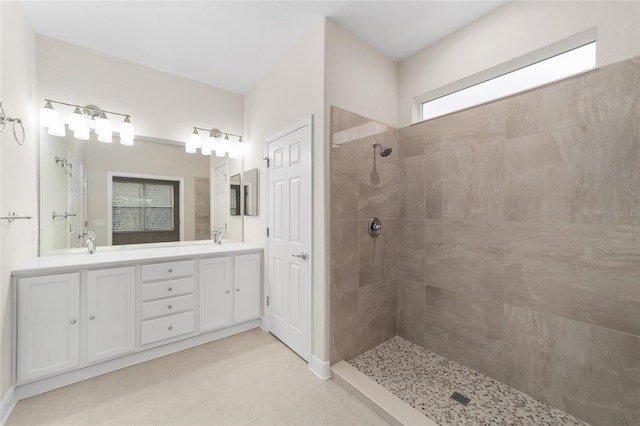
(190, 148)
(225, 144)
(220, 147)
(126, 132)
(76, 120)
(81, 133)
(103, 128)
(207, 145)
(195, 139)
(48, 115)
(57, 129)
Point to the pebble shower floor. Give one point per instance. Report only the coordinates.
(426, 381)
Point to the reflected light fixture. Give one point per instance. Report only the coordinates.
(216, 141)
(82, 119)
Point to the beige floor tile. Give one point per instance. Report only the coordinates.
(249, 378)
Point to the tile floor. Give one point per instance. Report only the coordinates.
(426, 381)
(249, 378)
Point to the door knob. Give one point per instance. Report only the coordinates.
(302, 255)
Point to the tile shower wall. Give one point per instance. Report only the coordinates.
(363, 268)
(519, 233)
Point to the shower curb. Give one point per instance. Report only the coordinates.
(387, 405)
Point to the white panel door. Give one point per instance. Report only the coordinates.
(48, 325)
(247, 280)
(289, 241)
(215, 284)
(111, 308)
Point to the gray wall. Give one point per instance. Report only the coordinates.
(519, 241)
(363, 268)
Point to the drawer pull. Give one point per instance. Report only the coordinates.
(73, 321)
(170, 328)
(92, 317)
(170, 306)
(170, 289)
(170, 270)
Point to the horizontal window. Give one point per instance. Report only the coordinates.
(546, 71)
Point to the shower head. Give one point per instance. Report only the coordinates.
(384, 151)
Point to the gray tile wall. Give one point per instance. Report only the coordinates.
(363, 268)
(519, 241)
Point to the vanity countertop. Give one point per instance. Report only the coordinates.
(116, 255)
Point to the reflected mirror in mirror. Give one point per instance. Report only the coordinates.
(76, 193)
(250, 178)
(234, 195)
(221, 202)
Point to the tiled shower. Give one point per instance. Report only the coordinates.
(511, 240)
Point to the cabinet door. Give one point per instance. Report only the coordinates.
(215, 283)
(247, 278)
(110, 312)
(48, 325)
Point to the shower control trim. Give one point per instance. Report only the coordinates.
(375, 227)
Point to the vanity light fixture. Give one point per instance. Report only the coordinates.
(216, 141)
(83, 119)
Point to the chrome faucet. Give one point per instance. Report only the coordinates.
(216, 235)
(91, 242)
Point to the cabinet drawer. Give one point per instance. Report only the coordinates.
(167, 289)
(163, 271)
(166, 327)
(169, 306)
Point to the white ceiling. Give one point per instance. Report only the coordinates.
(233, 44)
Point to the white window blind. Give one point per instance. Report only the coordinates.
(142, 206)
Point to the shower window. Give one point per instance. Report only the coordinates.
(546, 71)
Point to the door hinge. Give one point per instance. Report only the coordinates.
(267, 300)
(267, 160)
(267, 231)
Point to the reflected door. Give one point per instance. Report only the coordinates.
(219, 198)
(289, 240)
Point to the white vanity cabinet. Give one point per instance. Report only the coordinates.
(229, 290)
(246, 282)
(215, 287)
(51, 318)
(77, 317)
(167, 301)
(111, 312)
(48, 325)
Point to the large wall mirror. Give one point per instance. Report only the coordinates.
(150, 192)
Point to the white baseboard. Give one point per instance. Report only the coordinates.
(320, 368)
(8, 404)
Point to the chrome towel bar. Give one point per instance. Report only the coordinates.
(65, 215)
(13, 216)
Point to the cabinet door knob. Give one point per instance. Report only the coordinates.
(73, 321)
(92, 317)
(170, 270)
(170, 288)
(228, 292)
(170, 328)
(237, 289)
(170, 306)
